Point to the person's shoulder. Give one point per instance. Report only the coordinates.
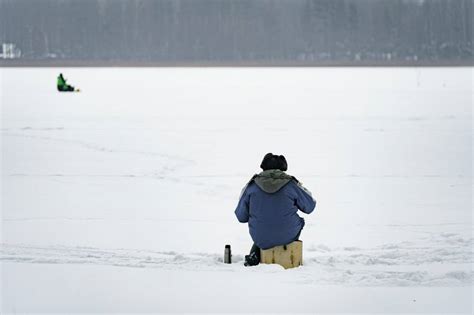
(292, 184)
(299, 185)
(248, 187)
(296, 184)
(251, 186)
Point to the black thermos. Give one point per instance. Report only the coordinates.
(227, 255)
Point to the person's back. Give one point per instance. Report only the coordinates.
(270, 202)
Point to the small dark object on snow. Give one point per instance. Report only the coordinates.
(227, 255)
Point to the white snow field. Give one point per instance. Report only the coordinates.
(121, 198)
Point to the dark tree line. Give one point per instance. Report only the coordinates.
(310, 31)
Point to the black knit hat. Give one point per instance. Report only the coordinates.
(271, 162)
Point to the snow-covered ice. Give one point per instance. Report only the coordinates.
(120, 198)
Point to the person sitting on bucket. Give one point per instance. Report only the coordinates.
(63, 86)
(269, 202)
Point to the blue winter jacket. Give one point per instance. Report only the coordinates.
(269, 203)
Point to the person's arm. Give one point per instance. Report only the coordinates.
(242, 211)
(304, 200)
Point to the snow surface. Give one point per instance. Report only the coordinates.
(120, 198)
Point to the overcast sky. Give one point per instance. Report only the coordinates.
(240, 31)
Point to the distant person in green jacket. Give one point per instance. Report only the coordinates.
(63, 86)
